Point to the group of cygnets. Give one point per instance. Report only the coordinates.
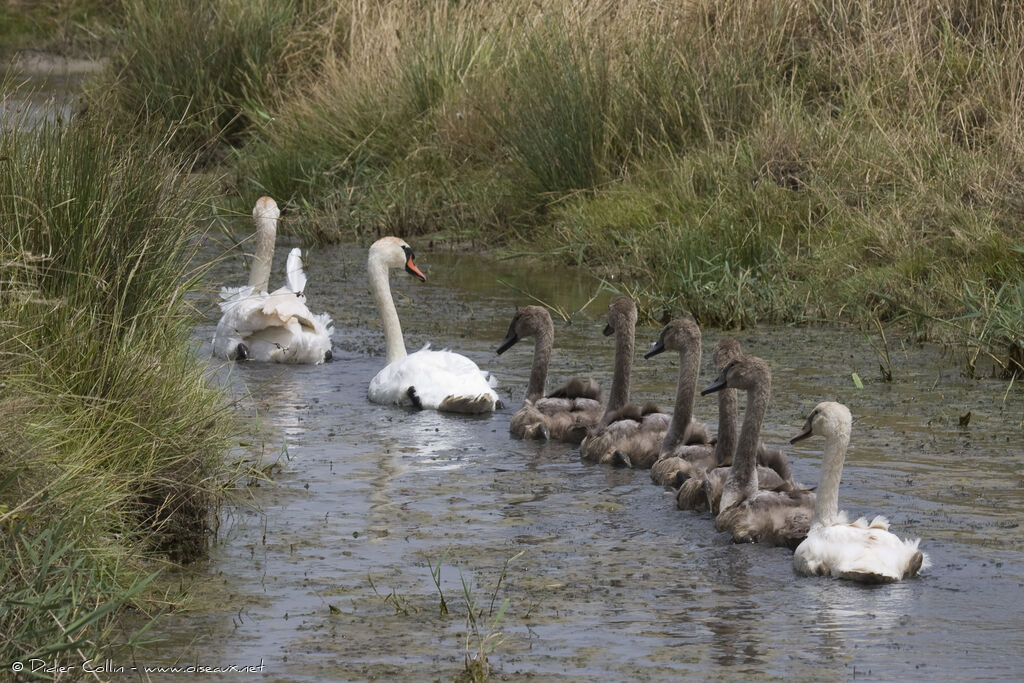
(748, 487)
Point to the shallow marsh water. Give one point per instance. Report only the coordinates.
(44, 86)
(331, 578)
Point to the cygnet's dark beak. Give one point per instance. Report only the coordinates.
(656, 348)
(806, 432)
(509, 341)
(608, 330)
(717, 384)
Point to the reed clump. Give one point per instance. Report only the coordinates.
(209, 69)
(111, 437)
(749, 162)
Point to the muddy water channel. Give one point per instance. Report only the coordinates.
(331, 577)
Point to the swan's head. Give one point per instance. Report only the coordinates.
(393, 252)
(528, 321)
(266, 208)
(678, 335)
(621, 315)
(726, 351)
(827, 418)
(747, 373)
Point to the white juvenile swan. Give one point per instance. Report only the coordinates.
(860, 551)
(426, 379)
(276, 327)
(568, 412)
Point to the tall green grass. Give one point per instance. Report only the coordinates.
(747, 162)
(112, 438)
(211, 69)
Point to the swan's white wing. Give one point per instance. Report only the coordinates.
(274, 327)
(295, 275)
(229, 295)
(859, 551)
(440, 380)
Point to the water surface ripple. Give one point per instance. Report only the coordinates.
(331, 577)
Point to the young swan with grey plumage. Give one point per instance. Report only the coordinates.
(567, 413)
(751, 515)
(702, 490)
(627, 435)
(859, 551)
(685, 447)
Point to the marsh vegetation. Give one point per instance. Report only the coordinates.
(850, 163)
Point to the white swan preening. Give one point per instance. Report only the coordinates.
(426, 379)
(860, 551)
(567, 413)
(275, 327)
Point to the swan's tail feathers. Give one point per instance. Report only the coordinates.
(865, 576)
(295, 275)
(484, 403)
(619, 459)
(918, 561)
(926, 562)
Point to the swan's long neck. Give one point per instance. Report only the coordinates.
(686, 389)
(266, 235)
(543, 341)
(725, 448)
(393, 341)
(742, 481)
(618, 396)
(826, 501)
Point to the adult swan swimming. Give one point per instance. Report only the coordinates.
(275, 327)
(426, 379)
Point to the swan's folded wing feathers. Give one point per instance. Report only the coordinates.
(295, 275)
(442, 380)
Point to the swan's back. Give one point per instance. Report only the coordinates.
(861, 551)
(631, 441)
(434, 380)
(560, 419)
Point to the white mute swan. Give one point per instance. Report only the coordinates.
(860, 551)
(568, 412)
(276, 327)
(426, 379)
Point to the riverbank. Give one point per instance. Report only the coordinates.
(782, 163)
(114, 440)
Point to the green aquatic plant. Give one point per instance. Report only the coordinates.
(483, 635)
